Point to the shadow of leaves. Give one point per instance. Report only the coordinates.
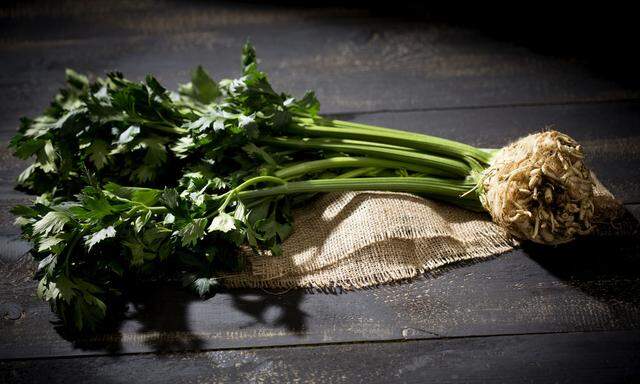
(272, 309)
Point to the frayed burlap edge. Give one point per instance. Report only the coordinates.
(355, 240)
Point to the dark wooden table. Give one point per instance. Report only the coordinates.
(570, 314)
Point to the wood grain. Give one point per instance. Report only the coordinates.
(566, 289)
(610, 357)
(355, 62)
(566, 314)
(572, 289)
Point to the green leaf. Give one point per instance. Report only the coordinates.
(44, 263)
(128, 135)
(47, 157)
(48, 242)
(156, 151)
(253, 149)
(75, 79)
(169, 219)
(62, 288)
(308, 105)
(155, 87)
(223, 223)
(95, 207)
(197, 198)
(144, 196)
(144, 174)
(240, 212)
(137, 250)
(204, 88)
(100, 306)
(27, 173)
(23, 210)
(69, 117)
(248, 56)
(98, 151)
(154, 236)
(202, 124)
(217, 183)
(52, 222)
(182, 146)
(193, 231)
(99, 135)
(97, 237)
(204, 286)
(276, 249)
(141, 221)
(28, 148)
(169, 198)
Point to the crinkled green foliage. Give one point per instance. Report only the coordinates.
(132, 177)
(137, 183)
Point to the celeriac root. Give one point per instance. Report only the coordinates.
(539, 189)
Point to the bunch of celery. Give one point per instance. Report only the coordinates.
(137, 182)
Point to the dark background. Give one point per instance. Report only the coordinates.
(602, 34)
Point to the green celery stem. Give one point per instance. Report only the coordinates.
(246, 184)
(347, 129)
(429, 186)
(358, 172)
(441, 166)
(348, 162)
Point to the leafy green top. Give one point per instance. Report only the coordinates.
(182, 156)
(138, 182)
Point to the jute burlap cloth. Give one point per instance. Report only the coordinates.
(358, 239)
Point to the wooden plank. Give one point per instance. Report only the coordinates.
(521, 292)
(564, 289)
(91, 19)
(355, 62)
(634, 209)
(608, 357)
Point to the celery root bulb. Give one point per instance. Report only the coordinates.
(539, 189)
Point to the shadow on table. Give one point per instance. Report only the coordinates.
(161, 313)
(604, 267)
(157, 319)
(272, 308)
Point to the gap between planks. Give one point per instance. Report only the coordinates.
(488, 106)
(326, 344)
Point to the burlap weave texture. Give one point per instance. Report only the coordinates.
(359, 239)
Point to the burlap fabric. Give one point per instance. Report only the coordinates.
(359, 239)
